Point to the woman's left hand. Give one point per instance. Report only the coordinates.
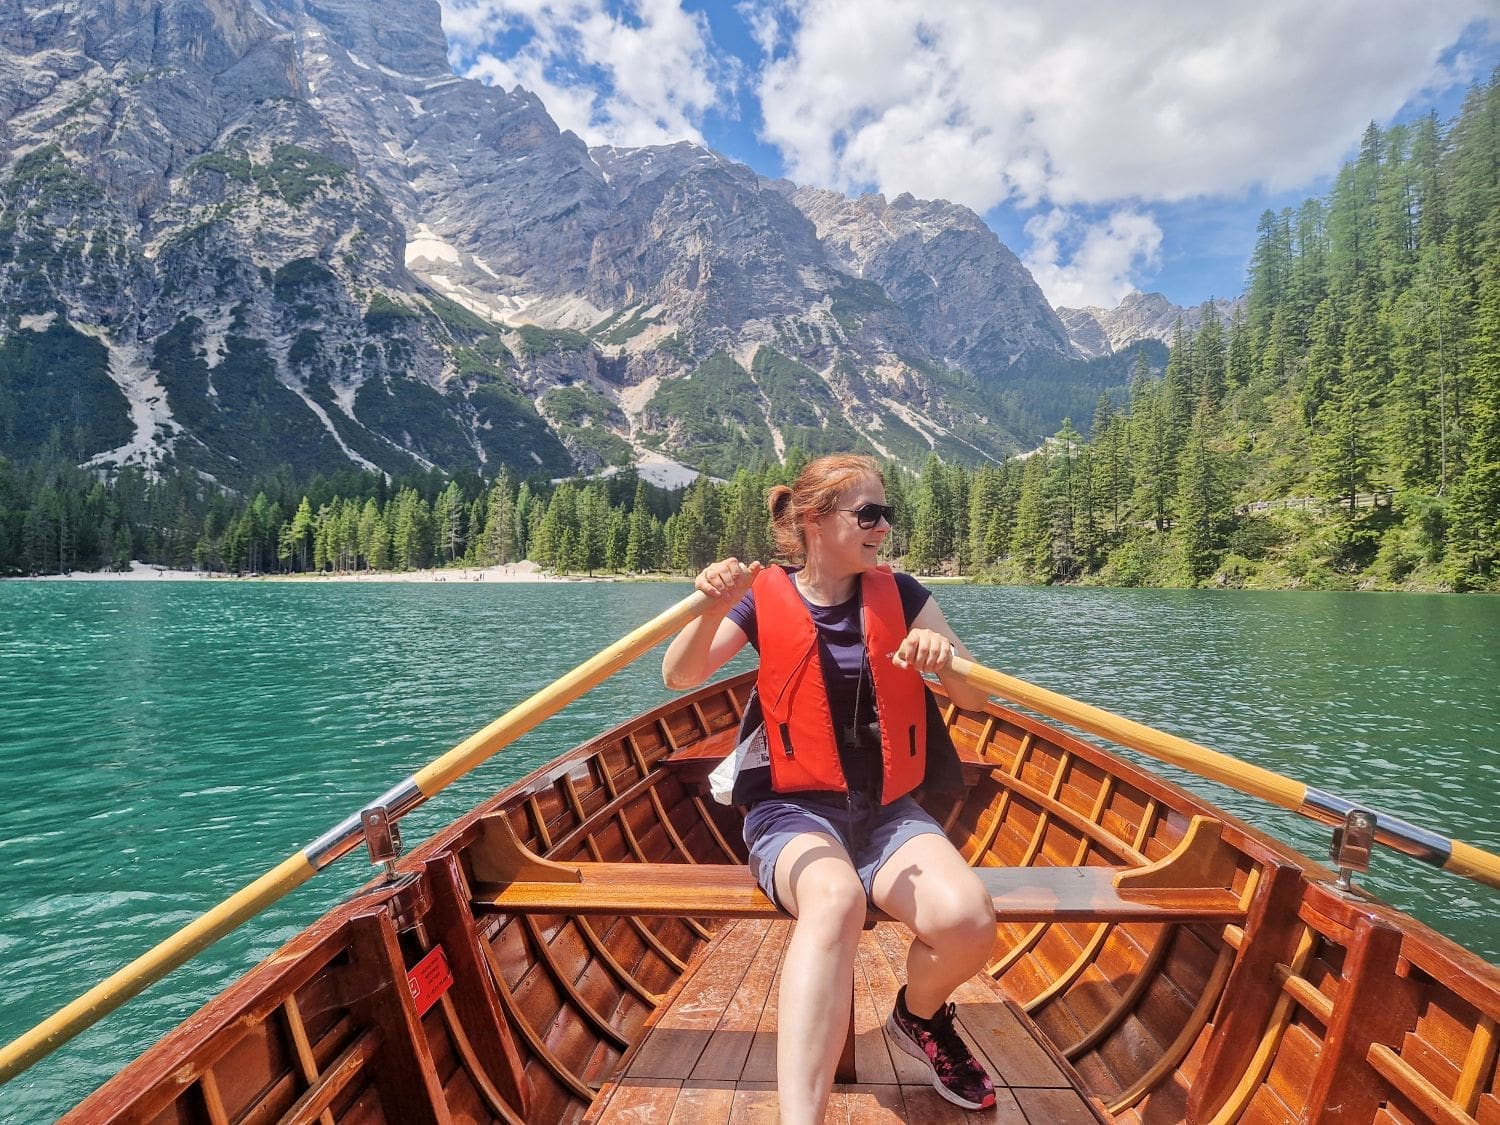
(925, 650)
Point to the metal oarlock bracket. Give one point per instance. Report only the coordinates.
(1350, 850)
(382, 838)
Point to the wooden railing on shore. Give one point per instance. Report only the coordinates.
(1381, 499)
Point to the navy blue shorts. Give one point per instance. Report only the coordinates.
(870, 832)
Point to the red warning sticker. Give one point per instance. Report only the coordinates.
(428, 979)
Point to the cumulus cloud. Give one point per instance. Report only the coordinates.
(1093, 104)
(1080, 263)
(636, 73)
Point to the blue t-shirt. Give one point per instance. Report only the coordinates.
(841, 648)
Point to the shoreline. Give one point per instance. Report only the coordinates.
(148, 572)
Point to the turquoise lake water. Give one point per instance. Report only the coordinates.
(162, 744)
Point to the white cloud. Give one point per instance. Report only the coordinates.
(1078, 263)
(638, 76)
(764, 21)
(1093, 103)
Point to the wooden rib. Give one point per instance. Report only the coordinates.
(638, 754)
(307, 1062)
(713, 828)
(702, 718)
(213, 1101)
(544, 954)
(1302, 991)
(1128, 999)
(1043, 821)
(982, 849)
(640, 855)
(572, 836)
(1108, 842)
(1096, 940)
(1085, 956)
(986, 732)
(671, 829)
(647, 934)
(1270, 1041)
(575, 802)
(1172, 1058)
(1402, 1075)
(1034, 935)
(666, 733)
(351, 1061)
(539, 823)
(603, 952)
(605, 778)
(1023, 749)
(538, 1046)
(955, 810)
(734, 703)
(1478, 1064)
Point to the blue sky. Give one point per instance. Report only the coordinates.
(1113, 146)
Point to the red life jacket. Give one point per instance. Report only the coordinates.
(794, 697)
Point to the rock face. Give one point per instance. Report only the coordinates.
(1098, 332)
(241, 233)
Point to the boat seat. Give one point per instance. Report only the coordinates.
(1191, 884)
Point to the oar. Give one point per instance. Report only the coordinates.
(291, 873)
(1326, 808)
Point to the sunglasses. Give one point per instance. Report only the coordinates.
(868, 515)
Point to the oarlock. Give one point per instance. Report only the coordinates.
(1351, 844)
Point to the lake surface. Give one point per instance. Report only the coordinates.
(162, 744)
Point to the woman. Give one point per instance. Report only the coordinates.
(834, 828)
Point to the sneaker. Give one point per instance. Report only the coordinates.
(956, 1075)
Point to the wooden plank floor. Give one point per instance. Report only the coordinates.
(711, 1055)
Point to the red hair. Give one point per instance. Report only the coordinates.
(813, 495)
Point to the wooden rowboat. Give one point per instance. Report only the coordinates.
(587, 945)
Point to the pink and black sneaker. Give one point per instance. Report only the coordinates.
(956, 1075)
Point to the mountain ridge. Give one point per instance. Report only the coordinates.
(298, 237)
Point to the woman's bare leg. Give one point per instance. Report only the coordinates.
(927, 885)
(816, 882)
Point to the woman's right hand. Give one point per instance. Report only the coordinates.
(727, 581)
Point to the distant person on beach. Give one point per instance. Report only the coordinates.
(831, 826)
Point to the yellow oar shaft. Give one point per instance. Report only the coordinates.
(197, 935)
(1163, 747)
(1451, 855)
(433, 778)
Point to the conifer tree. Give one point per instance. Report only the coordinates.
(640, 537)
(1473, 554)
(1031, 541)
(369, 521)
(1155, 455)
(300, 538)
(1203, 504)
(500, 523)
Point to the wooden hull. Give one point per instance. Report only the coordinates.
(1314, 1005)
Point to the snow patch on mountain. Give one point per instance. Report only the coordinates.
(151, 415)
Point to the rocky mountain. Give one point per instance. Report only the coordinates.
(1096, 332)
(236, 234)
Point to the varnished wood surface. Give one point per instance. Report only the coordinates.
(1021, 894)
(1243, 1002)
(699, 1062)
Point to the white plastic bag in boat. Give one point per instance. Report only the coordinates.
(752, 753)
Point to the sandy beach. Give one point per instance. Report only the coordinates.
(146, 572)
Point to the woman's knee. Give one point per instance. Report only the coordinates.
(960, 912)
(831, 895)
